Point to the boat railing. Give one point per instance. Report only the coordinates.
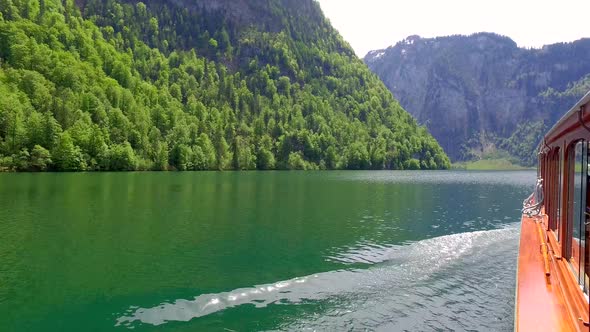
(532, 205)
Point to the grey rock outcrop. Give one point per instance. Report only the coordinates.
(473, 92)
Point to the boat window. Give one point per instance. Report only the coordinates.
(577, 228)
(585, 225)
(550, 191)
(560, 192)
(579, 217)
(556, 188)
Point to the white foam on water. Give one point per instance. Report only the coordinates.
(398, 273)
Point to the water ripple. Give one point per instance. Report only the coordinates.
(437, 284)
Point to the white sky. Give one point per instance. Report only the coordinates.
(376, 24)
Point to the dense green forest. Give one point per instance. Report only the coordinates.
(109, 85)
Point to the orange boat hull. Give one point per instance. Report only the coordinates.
(545, 303)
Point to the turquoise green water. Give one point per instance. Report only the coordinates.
(259, 250)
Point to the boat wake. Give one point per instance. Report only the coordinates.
(442, 282)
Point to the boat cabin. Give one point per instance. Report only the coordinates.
(554, 261)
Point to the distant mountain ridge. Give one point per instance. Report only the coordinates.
(481, 94)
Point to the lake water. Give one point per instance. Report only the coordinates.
(243, 251)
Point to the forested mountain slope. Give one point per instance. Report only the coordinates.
(192, 85)
(481, 94)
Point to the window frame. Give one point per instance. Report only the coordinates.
(567, 222)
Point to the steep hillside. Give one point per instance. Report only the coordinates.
(481, 93)
(190, 85)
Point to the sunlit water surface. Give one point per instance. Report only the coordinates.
(387, 251)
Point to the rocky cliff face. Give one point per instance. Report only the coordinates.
(264, 14)
(473, 92)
